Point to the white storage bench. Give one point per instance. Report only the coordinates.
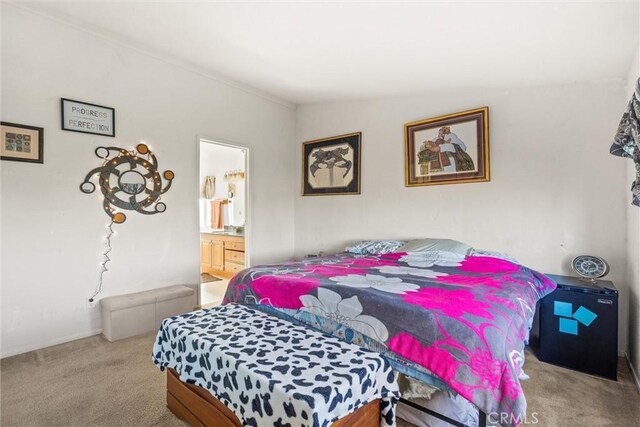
(127, 315)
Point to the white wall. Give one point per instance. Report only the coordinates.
(53, 234)
(555, 192)
(633, 236)
(216, 160)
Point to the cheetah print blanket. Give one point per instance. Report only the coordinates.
(271, 372)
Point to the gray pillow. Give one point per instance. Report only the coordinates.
(425, 245)
(482, 252)
(375, 247)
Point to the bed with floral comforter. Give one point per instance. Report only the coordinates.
(462, 318)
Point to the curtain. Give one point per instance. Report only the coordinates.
(626, 143)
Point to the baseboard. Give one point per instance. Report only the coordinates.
(634, 374)
(50, 343)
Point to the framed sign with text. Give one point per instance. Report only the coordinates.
(88, 118)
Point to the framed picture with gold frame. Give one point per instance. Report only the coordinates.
(450, 149)
(331, 165)
(21, 143)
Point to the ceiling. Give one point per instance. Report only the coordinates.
(313, 52)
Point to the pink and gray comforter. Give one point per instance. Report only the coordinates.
(465, 319)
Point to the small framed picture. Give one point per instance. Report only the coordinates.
(88, 118)
(331, 165)
(22, 143)
(451, 149)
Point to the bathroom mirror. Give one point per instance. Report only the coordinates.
(222, 186)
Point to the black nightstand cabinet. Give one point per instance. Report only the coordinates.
(579, 326)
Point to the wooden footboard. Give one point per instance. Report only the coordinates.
(196, 405)
(199, 408)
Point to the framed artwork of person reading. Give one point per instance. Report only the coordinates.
(448, 149)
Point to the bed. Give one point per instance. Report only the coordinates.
(457, 322)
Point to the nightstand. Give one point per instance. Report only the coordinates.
(579, 326)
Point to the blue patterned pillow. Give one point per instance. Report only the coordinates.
(375, 247)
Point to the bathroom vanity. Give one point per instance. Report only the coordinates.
(221, 253)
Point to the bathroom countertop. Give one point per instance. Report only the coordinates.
(221, 232)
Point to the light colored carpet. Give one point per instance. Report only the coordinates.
(562, 397)
(89, 382)
(93, 382)
(206, 278)
(212, 293)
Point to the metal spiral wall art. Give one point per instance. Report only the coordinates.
(129, 180)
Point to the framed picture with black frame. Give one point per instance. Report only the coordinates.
(21, 143)
(331, 166)
(83, 117)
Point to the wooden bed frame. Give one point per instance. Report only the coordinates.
(198, 407)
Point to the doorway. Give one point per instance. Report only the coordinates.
(223, 210)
